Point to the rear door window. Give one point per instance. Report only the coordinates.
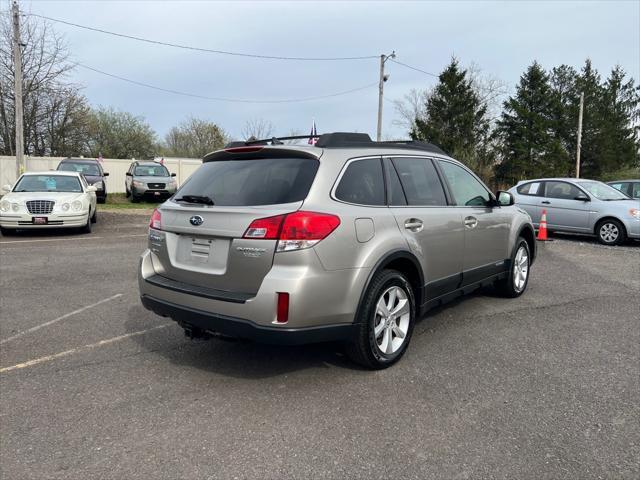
(420, 182)
(362, 183)
(532, 189)
(264, 181)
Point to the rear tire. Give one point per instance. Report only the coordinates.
(384, 322)
(519, 269)
(611, 232)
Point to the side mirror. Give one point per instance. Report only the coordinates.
(105, 174)
(173, 174)
(6, 188)
(505, 199)
(128, 174)
(582, 197)
(91, 188)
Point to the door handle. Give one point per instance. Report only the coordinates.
(413, 224)
(470, 222)
(545, 202)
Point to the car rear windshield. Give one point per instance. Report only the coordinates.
(48, 183)
(266, 181)
(90, 169)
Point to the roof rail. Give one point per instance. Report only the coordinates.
(345, 140)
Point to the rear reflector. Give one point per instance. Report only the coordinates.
(156, 220)
(283, 308)
(295, 230)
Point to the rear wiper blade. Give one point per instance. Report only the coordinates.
(196, 199)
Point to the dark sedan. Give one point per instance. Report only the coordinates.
(91, 170)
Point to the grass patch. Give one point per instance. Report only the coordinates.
(120, 201)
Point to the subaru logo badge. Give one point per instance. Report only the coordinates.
(196, 220)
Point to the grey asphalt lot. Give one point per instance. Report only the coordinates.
(543, 386)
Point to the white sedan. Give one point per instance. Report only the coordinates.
(52, 199)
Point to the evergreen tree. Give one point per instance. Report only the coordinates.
(455, 118)
(562, 81)
(526, 130)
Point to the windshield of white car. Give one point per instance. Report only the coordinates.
(84, 168)
(151, 171)
(602, 191)
(48, 183)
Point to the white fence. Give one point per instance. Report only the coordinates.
(117, 168)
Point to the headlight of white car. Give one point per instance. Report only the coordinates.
(5, 205)
(635, 213)
(65, 207)
(15, 207)
(77, 205)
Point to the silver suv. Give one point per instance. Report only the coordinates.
(149, 180)
(348, 240)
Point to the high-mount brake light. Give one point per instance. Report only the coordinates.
(243, 149)
(156, 220)
(294, 231)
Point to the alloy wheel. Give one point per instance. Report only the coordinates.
(609, 232)
(391, 324)
(520, 268)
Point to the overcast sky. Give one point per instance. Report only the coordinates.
(503, 38)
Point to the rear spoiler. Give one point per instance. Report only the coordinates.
(244, 152)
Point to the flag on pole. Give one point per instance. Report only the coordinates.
(313, 138)
(162, 161)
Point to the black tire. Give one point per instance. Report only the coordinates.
(364, 348)
(611, 232)
(94, 217)
(87, 227)
(508, 286)
(102, 199)
(7, 232)
(127, 193)
(134, 198)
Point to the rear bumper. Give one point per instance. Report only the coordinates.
(241, 328)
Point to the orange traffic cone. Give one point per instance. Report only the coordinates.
(542, 231)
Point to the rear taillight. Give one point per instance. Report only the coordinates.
(156, 220)
(265, 228)
(294, 231)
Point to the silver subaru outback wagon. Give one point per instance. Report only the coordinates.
(347, 240)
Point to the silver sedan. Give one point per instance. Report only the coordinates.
(580, 206)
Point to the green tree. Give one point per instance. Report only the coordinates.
(194, 138)
(117, 134)
(455, 118)
(526, 130)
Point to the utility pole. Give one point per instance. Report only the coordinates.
(17, 61)
(579, 135)
(383, 78)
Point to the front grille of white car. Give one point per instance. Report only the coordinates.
(40, 207)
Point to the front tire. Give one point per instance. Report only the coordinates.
(87, 226)
(518, 276)
(94, 217)
(611, 232)
(384, 322)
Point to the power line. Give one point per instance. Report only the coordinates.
(199, 49)
(224, 99)
(414, 68)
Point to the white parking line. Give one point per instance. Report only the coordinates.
(71, 238)
(56, 320)
(48, 358)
